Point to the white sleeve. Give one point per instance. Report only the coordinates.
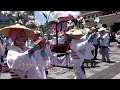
(16, 60)
(82, 45)
(83, 38)
(98, 35)
(73, 46)
(76, 47)
(48, 51)
(106, 36)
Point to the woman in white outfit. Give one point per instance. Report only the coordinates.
(21, 59)
(45, 56)
(79, 51)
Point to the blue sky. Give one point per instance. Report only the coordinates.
(39, 17)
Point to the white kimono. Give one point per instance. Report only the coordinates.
(89, 47)
(80, 51)
(42, 61)
(25, 66)
(2, 48)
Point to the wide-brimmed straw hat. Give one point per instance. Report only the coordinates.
(75, 31)
(5, 31)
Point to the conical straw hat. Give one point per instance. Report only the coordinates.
(5, 31)
(75, 31)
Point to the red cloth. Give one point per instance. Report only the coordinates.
(31, 51)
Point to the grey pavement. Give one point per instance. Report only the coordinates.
(101, 71)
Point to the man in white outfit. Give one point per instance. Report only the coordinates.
(95, 42)
(104, 43)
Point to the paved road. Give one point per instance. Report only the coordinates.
(101, 71)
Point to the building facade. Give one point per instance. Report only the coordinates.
(107, 18)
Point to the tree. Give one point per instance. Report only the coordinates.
(18, 17)
(15, 16)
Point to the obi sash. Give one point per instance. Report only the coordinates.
(74, 55)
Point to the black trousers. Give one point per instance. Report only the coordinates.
(2, 59)
(95, 52)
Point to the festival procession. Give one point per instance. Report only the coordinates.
(29, 50)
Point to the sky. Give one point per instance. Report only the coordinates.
(56, 14)
(39, 17)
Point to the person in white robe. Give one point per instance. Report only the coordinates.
(118, 39)
(40, 56)
(2, 52)
(21, 59)
(2, 49)
(88, 34)
(79, 51)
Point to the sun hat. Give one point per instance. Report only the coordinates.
(75, 31)
(6, 30)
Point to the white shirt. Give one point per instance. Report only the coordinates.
(95, 41)
(118, 38)
(105, 41)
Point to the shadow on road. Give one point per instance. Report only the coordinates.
(112, 62)
(50, 78)
(91, 65)
(114, 53)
